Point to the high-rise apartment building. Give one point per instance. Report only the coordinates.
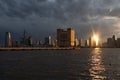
(7, 39)
(66, 38)
(48, 41)
(92, 42)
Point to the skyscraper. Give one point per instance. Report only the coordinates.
(80, 42)
(48, 41)
(65, 38)
(29, 41)
(7, 39)
(92, 42)
(114, 41)
(87, 43)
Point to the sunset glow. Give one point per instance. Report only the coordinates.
(96, 38)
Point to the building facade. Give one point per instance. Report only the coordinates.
(111, 42)
(48, 41)
(66, 38)
(8, 39)
(80, 42)
(92, 42)
(87, 43)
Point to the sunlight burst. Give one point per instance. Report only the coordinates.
(96, 38)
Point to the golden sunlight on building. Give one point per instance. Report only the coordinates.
(94, 41)
(66, 38)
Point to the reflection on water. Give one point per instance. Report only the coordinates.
(97, 67)
(83, 64)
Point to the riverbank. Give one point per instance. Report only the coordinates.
(36, 48)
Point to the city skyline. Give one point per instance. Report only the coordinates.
(59, 39)
(65, 38)
(42, 17)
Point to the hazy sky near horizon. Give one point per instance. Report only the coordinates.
(41, 18)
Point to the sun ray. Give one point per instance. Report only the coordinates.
(96, 39)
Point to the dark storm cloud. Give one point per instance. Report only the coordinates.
(59, 9)
(45, 16)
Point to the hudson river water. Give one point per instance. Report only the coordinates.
(83, 64)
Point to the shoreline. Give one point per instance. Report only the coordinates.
(35, 48)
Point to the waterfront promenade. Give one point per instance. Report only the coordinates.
(35, 48)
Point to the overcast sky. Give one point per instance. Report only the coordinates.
(41, 18)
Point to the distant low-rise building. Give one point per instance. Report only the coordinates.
(104, 45)
(76, 42)
(87, 43)
(80, 42)
(54, 43)
(30, 41)
(111, 42)
(118, 42)
(48, 41)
